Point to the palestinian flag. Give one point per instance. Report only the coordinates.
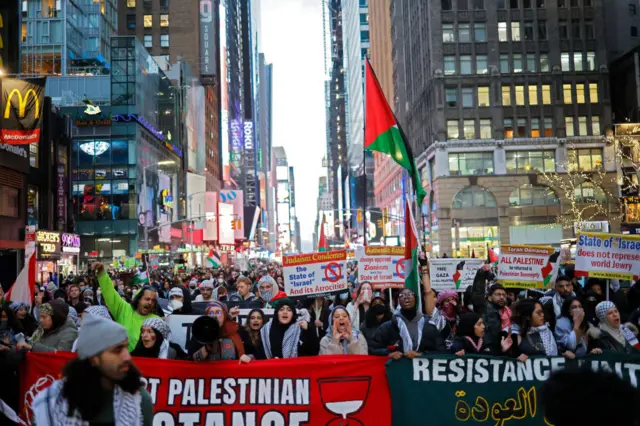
(550, 270)
(411, 252)
(382, 133)
(23, 288)
(213, 259)
(322, 242)
(141, 278)
(492, 257)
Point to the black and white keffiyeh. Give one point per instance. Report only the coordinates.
(290, 341)
(546, 336)
(161, 327)
(407, 341)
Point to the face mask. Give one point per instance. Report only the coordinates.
(344, 296)
(176, 304)
(378, 309)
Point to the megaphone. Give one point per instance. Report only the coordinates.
(206, 330)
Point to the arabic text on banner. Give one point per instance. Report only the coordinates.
(453, 274)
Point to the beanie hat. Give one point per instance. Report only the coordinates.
(100, 311)
(445, 294)
(602, 308)
(98, 334)
(206, 284)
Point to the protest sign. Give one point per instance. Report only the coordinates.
(527, 266)
(281, 392)
(608, 256)
(498, 391)
(315, 273)
(383, 267)
(453, 274)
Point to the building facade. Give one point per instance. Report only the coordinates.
(491, 96)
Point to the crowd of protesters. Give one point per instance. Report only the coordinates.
(570, 320)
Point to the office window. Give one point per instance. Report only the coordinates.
(632, 9)
(526, 4)
(485, 129)
(465, 64)
(478, 4)
(591, 61)
(164, 20)
(593, 93)
(589, 30)
(565, 61)
(131, 22)
(568, 124)
(469, 128)
(517, 62)
(480, 32)
(448, 33)
(528, 30)
(9, 201)
(588, 193)
(447, 5)
(634, 31)
(450, 65)
(533, 94)
(532, 63)
(514, 4)
(575, 3)
(131, 3)
(539, 3)
(522, 127)
(502, 31)
(467, 97)
(482, 64)
(483, 97)
(148, 40)
(585, 160)
(451, 94)
(566, 90)
(577, 62)
(562, 3)
(546, 94)
(504, 64)
(453, 131)
(164, 40)
(148, 21)
(464, 33)
(470, 163)
(506, 95)
(533, 195)
(563, 30)
(520, 95)
(501, 4)
(508, 128)
(595, 126)
(542, 30)
(530, 161)
(575, 29)
(535, 127)
(463, 4)
(515, 31)
(544, 63)
(548, 127)
(580, 95)
(164, 4)
(582, 126)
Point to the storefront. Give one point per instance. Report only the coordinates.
(48, 254)
(472, 241)
(68, 262)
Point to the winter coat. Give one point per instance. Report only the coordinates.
(493, 331)
(388, 335)
(460, 343)
(607, 343)
(479, 290)
(332, 346)
(60, 339)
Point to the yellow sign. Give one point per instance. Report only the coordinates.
(22, 104)
(611, 275)
(47, 237)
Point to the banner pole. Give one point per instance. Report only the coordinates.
(608, 285)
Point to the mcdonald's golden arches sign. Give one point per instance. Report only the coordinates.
(21, 108)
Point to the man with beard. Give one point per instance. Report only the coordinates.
(132, 315)
(497, 317)
(243, 294)
(101, 386)
(552, 302)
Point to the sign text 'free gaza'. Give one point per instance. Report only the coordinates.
(609, 256)
(315, 273)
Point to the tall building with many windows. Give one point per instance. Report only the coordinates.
(494, 96)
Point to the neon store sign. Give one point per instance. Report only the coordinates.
(127, 118)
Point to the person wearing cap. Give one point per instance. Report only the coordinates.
(342, 338)
(206, 291)
(496, 318)
(57, 330)
(611, 335)
(154, 340)
(101, 386)
(176, 299)
(269, 292)
(131, 316)
(286, 337)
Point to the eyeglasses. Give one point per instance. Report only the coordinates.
(405, 296)
(215, 313)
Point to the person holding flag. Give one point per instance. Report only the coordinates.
(322, 241)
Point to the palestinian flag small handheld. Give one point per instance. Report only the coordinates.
(141, 278)
(213, 260)
(492, 257)
(550, 270)
(457, 276)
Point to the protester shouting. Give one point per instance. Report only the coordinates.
(24, 322)
(131, 316)
(497, 318)
(572, 328)
(378, 314)
(57, 330)
(409, 333)
(284, 337)
(154, 340)
(229, 344)
(101, 386)
(359, 307)
(611, 335)
(342, 338)
(534, 336)
(250, 333)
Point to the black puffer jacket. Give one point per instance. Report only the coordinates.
(479, 290)
(493, 330)
(388, 335)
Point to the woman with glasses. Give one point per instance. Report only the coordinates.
(229, 344)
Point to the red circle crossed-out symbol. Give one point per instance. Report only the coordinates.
(333, 272)
(400, 268)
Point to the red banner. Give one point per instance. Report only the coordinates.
(321, 390)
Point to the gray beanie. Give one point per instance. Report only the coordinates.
(98, 334)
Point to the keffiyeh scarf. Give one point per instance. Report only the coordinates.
(161, 327)
(289, 342)
(407, 342)
(548, 341)
(50, 408)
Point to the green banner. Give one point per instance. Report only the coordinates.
(446, 390)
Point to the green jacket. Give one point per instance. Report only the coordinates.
(123, 312)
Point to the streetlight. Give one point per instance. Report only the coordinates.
(144, 187)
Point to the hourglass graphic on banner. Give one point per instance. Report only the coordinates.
(344, 396)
